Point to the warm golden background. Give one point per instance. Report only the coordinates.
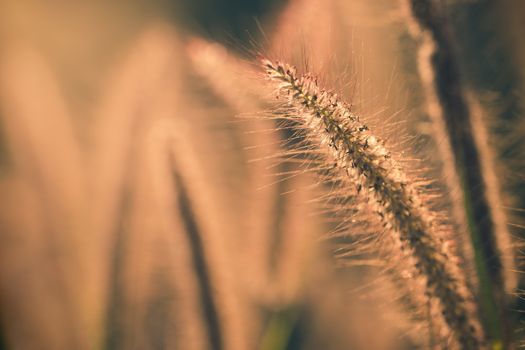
(141, 209)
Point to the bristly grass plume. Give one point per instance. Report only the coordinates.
(360, 157)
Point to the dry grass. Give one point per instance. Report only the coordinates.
(155, 194)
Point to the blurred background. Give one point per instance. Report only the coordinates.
(141, 207)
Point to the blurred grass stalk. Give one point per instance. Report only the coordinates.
(450, 108)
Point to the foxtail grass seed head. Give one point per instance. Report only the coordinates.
(363, 159)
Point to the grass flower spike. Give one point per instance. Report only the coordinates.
(361, 157)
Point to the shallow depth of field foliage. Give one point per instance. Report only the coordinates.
(262, 175)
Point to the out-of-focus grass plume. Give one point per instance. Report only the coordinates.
(151, 197)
